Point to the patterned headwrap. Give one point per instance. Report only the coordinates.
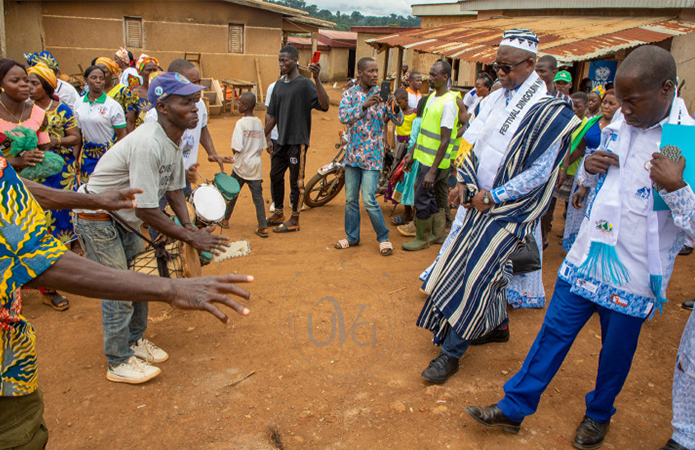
(154, 75)
(44, 57)
(600, 90)
(144, 59)
(521, 38)
(122, 54)
(41, 70)
(108, 62)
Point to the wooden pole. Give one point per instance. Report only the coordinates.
(3, 33)
(314, 42)
(285, 37)
(260, 83)
(399, 68)
(387, 56)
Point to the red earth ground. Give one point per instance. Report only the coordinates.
(351, 380)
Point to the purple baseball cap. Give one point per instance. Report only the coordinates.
(170, 83)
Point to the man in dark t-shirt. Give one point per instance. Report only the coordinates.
(293, 98)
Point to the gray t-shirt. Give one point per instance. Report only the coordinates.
(145, 159)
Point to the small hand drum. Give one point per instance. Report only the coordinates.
(228, 186)
(209, 204)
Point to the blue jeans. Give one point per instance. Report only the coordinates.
(564, 319)
(356, 178)
(113, 246)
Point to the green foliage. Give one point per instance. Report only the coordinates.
(344, 21)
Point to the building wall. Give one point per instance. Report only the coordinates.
(334, 63)
(436, 21)
(22, 28)
(77, 32)
(683, 51)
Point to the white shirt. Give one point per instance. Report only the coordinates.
(67, 94)
(98, 120)
(190, 141)
(129, 71)
(413, 99)
(273, 134)
(470, 98)
(248, 143)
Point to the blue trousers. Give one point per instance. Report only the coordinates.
(565, 317)
(455, 346)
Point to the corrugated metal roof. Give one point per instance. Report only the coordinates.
(569, 39)
(486, 5)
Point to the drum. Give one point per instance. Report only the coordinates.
(209, 204)
(190, 261)
(146, 262)
(191, 213)
(228, 186)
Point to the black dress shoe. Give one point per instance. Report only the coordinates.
(673, 445)
(685, 251)
(688, 305)
(441, 368)
(590, 434)
(492, 416)
(496, 335)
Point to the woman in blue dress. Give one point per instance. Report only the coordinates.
(580, 196)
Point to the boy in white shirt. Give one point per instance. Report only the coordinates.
(248, 143)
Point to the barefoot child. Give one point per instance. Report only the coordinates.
(248, 143)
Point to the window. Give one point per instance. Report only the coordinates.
(236, 38)
(133, 32)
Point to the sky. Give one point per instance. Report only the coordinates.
(371, 7)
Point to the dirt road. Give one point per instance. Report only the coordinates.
(334, 354)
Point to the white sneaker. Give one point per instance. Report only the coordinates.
(149, 352)
(133, 371)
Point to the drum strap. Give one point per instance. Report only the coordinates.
(159, 245)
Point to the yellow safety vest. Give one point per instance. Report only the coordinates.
(429, 139)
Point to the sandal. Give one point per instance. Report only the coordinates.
(56, 301)
(282, 228)
(344, 243)
(262, 232)
(385, 248)
(398, 220)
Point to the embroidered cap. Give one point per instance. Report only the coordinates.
(170, 83)
(521, 38)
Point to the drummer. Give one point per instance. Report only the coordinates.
(150, 158)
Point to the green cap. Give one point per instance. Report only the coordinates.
(563, 75)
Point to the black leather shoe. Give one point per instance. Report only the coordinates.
(441, 368)
(590, 434)
(673, 445)
(492, 416)
(496, 335)
(685, 251)
(688, 305)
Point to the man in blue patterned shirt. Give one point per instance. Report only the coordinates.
(365, 114)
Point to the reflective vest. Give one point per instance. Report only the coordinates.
(429, 139)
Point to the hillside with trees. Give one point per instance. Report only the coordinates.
(345, 21)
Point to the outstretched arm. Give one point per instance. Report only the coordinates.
(68, 274)
(50, 198)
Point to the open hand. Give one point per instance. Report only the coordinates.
(32, 157)
(600, 161)
(666, 172)
(203, 239)
(201, 293)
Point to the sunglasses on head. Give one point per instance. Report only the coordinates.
(506, 68)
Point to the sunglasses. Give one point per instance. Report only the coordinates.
(506, 68)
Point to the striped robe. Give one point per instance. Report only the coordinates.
(467, 287)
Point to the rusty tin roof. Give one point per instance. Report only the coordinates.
(568, 39)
